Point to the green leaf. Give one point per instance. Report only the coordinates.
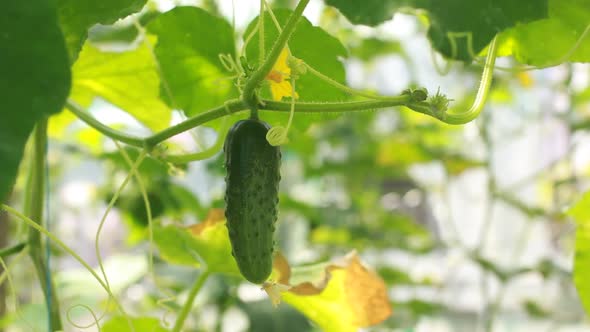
(121, 324)
(30, 317)
(551, 41)
(150, 167)
(420, 308)
(166, 198)
(371, 48)
(128, 80)
(172, 243)
(123, 270)
(190, 41)
(368, 12)
(264, 316)
(395, 231)
(394, 276)
(77, 16)
(310, 44)
(207, 241)
(535, 309)
(122, 32)
(479, 19)
(35, 77)
(581, 214)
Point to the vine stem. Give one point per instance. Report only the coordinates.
(292, 109)
(482, 91)
(107, 131)
(15, 249)
(352, 106)
(343, 87)
(205, 154)
(34, 209)
(261, 35)
(248, 94)
(234, 106)
(249, 99)
(231, 106)
(190, 299)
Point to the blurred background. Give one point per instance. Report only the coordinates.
(466, 224)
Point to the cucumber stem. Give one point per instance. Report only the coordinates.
(186, 308)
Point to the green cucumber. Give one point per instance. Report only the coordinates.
(251, 197)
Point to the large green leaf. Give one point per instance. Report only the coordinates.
(128, 80)
(172, 241)
(121, 324)
(190, 41)
(581, 213)
(369, 12)
(34, 79)
(480, 19)
(370, 48)
(77, 16)
(551, 41)
(206, 241)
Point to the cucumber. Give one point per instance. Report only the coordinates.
(251, 197)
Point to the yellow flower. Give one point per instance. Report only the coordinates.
(279, 77)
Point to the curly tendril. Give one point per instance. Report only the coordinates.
(70, 320)
(6, 275)
(442, 71)
(453, 36)
(278, 135)
(228, 63)
(297, 66)
(72, 253)
(146, 201)
(110, 206)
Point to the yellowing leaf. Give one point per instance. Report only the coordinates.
(210, 241)
(214, 218)
(344, 297)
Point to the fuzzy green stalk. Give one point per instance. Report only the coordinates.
(186, 308)
(15, 249)
(105, 130)
(460, 118)
(35, 200)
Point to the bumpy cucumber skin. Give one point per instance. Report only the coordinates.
(251, 197)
